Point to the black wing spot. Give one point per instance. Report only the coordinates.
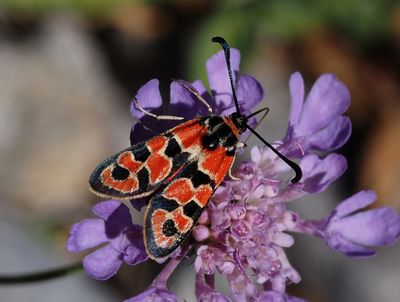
(143, 178)
(119, 173)
(173, 148)
(141, 153)
(191, 208)
(199, 178)
(169, 228)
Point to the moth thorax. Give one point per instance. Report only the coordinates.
(240, 121)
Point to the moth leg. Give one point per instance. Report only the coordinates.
(158, 117)
(231, 176)
(196, 94)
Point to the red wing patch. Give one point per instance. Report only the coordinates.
(139, 170)
(174, 210)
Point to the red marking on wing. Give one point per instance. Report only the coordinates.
(127, 160)
(157, 143)
(159, 167)
(128, 185)
(182, 223)
(203, 194)
(180, 190)
(158, 219)
(216, 164)
(189, 134)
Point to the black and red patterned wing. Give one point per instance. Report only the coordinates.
(175, 209)
(139, 170)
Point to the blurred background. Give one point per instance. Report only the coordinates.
(69, 68)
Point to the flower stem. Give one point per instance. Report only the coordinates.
(162, 277)
(41, 276)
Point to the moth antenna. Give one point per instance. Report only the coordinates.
(227, 51)
(258, 111)
(290, 163)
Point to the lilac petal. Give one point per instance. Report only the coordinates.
(337, 242)
(356, 202)
(149, 98)
(184, 103)
(249, 93)
(148, 127)
(103, 263)
(86, 234)
(295, 299)
(135, 251)
(154, 294)
(135, 255)
(328, 98)
(375, 227)
(270, 296)
(218, 79)
(105, 208)
(213, 296)
(296, 85)
(202, 90)
(332, 137)
(318, 173)
(118, 221)
(138, 203)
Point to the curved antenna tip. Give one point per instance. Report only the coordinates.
(218, 39)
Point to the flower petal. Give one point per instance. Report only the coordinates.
(103, 263)
(184, 103)
(218, 79)
(337, 242)
(319, 173)
(86, 234)
(104, 209)
(149, 98)
(328, 98)
(154, 294)
(356, 202)
(375, 227)
(332, 137)
(296, 85)
(249, 93)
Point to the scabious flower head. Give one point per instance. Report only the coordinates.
(244, 230)
(121, 240)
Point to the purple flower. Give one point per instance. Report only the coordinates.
(317, 124)
(245, 228)
(352, 232)
(206, 292)
(123, 240)
(274, 296)
(184, 103)
(154, 294)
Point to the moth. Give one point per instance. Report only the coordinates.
(177, 171)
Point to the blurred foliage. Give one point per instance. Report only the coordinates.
(242, 21)
(281, 18)
(90, 7)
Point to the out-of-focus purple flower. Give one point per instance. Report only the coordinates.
(317, 124)
(184, 103)
(154, 294)
(274, 296)
(123, 240)
(206, 293)
(352, 232)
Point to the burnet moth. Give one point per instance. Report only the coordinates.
(178, 170)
